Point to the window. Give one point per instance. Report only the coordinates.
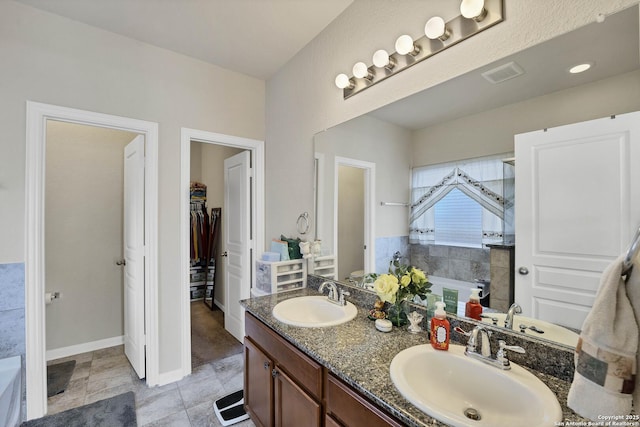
(458, 220)
(458, 204)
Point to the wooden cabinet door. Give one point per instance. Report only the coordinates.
(350, 409)
(258, 385)
(330, 422)
(293, 406)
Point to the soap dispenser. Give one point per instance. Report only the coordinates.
(473, 308)
(440, 328)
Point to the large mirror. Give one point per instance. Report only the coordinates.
(364, 166)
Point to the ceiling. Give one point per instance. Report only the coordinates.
(253, 37)
(226, 33)
(612, 46)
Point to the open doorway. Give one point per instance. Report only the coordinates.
(354, 208)
(209, 339)
(38, 117)
(351, 222)
(231, 170)
(84, 267)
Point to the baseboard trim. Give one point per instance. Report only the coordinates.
(218, 304)
(58, 353)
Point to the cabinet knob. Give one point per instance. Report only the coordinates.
(266, 365)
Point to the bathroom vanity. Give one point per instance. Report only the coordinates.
(284, 385)
(332, 376)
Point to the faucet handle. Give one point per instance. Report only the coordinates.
(342, 295)
(461, 331)
(503, 346)
(502, 357)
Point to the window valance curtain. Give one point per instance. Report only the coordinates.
(479, 179)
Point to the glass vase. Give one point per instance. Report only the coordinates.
(397, 313)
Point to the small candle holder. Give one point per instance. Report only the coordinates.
(414, 319)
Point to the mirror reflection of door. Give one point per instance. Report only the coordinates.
(351, 221)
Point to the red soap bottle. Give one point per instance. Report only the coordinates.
(473, 309)
(440, 328)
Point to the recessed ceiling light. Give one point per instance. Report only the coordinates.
(580, 68)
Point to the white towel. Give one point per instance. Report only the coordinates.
(607, 351)
(633, 292)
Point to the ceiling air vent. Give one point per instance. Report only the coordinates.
(503, 73)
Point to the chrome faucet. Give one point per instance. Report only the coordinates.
(500, 361)
(485, 345)
(513, 310)
(335, 296)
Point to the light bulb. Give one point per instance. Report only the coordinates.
(404, 45)
(473, 9)
(435, 28)
(360, 70)
(342, 81)
(381, 58)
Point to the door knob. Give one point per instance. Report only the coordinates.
(523, 270)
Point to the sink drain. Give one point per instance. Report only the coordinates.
(472, 414)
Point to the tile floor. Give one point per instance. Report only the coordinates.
(189, 402)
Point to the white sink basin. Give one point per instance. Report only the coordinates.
(552, 332)
(445, 384)
(313, 312)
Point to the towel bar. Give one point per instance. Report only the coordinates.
(627, 264)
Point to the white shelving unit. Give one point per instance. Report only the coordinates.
(273, 277)
(325, 266)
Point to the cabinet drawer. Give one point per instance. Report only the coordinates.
(348, 408)
(291, 360)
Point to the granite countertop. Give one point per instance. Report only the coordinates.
(360, 355)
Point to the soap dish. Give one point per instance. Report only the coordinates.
(384, 325)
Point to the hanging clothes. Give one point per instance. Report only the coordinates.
(199, 224)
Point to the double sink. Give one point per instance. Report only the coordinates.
(446, 385)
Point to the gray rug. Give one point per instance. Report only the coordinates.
(117, 411)
(58, 377)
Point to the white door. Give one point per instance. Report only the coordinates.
(577, 208)
(134, 338)
(237, 220)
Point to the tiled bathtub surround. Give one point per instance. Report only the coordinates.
(12, 331)
(502, 276)
(452, 262)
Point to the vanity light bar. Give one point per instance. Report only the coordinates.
(453, 32)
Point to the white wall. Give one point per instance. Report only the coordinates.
(371, 140)
(54, 60)
(84, 227)
(303, 100)
(492, 132)
(195, 168)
